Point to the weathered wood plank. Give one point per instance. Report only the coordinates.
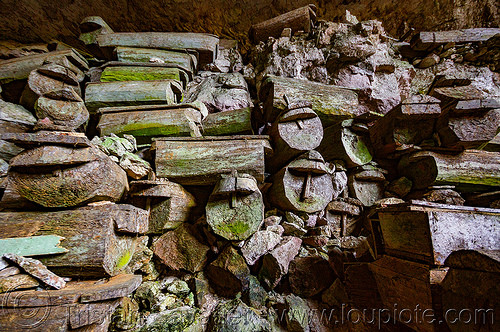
(207, 45)
(165, 58)
(107, 94)
(427, 39)
(147, 124)
(20, 68)
(300, 19)
(75, 291)
(431, 235)
(28, 140)
(32, 245)
(343, 144)
(234, 122)
(142, 73)
(470, 170)
(305, 184)
(476, 105)
(331, 103)
(94, 248)
(198, 161)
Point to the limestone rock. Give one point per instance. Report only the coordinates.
(179, 249)
(228, 273)
(275, 263)
(309, 276)
(297, 314)
(259, 244)
(235, 315)
(181, 319)
(15, 118)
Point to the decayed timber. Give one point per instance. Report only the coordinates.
(477, 260)
(470, 170)
(169, 203)
(427, 39)
(300, 19)
(198, 161)
(476, 105)
(20, 68)
(340, 143)
(431, 232)
(305, 184)
(451, 96)
(235, 209)
(32, 245)
(409, 285)
(366, 183)
(59, 318)
(331, 103)
(70, 183)
(470, 131)
(74, 292)
(129, 93)
(143, 73)
(235, 122)
(183, 60)
(29, 140)
(94, 250)
(151, 121)
(411, 122)
(293, 133)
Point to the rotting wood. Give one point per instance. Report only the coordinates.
(470, 170)
(234, 122)
(300, 19)
(431, 232)
(32, 245)
(134, 55)
(428, 39)
(130, 93)
(29, 140)
(331, 103)
(143, 73)
(198, 161)
(341, 143)
(305, 184)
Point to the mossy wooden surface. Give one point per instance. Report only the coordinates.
(145, 125)
(130, 73)
(182, 60)
(29, 140)
(235, 122)
(94, 250)
(108, 94)
(332, 103)
(197, 161)
(343, 144)
(32, 245)
(471, 170)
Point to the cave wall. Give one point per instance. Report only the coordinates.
(31, 21)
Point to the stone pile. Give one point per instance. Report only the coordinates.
(335, 171)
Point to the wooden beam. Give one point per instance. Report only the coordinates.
(32, 245)
(428, 39)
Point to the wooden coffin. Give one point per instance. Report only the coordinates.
(164, 58)
(143, 73)
(341, 143)
(406, 286)
(430, 232)
(131, 93)
(169, 204)
(235, 209)
(296, 131)
(234, 122)
(94, 249)
(304, 185)
(428, 39)
(146, 122)
(331, 103)
(471, 170)
(20, 68)
(409, 123)
(30, 140)
(366, 183)
(198, 161)
(300, 19)
(58, 176)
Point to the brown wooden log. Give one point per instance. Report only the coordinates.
(300, 19)
(235, 209)
(53, 176)
(168, 202)
(431, 232)
(469, 131)
(198, 161)
(471, 170)
(234, 122)
(94, 250)
(305, 185)
(29, 140)
(451, 96)
(74, 292)
(148, 122)
(331, 103)
(293, 133)
(427, 39)
(366, 184)
(409, 123)
(410, 286)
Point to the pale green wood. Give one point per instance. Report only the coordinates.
(32, 245)
(228, 123)
(132, 73)
(183, 60)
